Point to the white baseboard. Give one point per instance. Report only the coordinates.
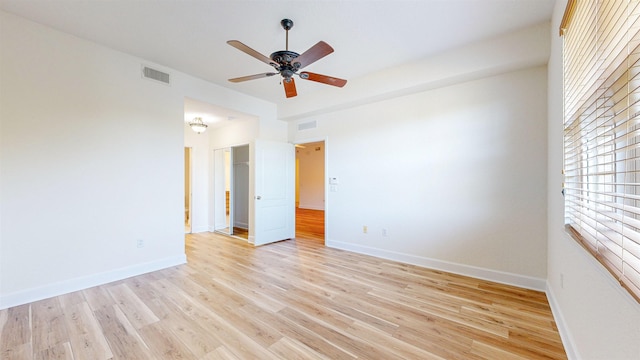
(522, 281)
(68, 286)
(565, 335)
(199, 229)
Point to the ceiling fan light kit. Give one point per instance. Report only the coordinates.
(288, 63)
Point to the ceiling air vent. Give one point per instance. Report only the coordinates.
(157, 75)
(307, 125)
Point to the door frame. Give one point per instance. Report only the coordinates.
(324, 139)
(213, 198)
(189, 169)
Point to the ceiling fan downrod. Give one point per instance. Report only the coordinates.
(287, 24)
(284, 58)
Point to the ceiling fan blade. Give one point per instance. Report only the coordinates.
(244, 48)
(315, 53)
(329, 80)
(252, 77)
(289, 87)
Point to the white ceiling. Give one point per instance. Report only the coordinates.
(368, 36)
(214, 116)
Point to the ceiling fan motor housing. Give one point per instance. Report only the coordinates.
(284, 59)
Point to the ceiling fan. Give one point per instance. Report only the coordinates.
(288, 63)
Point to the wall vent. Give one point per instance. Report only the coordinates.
(307, 125)
(157, 75)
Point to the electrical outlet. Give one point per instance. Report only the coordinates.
(384, 232)
(140, 243)
(364, 229)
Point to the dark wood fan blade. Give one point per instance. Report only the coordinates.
(329, 80)
(289, 87)
(244, 48)
(315, 53)
(252, 77)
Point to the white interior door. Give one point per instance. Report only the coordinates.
(273, 191)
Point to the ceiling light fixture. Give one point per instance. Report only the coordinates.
(198, 125)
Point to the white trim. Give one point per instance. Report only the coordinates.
(199, 229)
(81, 283)
(563, 329)
(308, 140)
(522, 281)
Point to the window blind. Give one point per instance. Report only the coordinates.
(601, 60)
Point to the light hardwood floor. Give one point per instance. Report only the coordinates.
(291, 300)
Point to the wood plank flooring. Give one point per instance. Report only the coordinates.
(310, 224)
(290, 300)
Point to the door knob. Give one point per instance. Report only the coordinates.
(258, 197)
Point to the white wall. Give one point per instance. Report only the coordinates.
(596, 317)
(91, 161)
(465, 132)
(311, 177)
(88, 148)
(456, 176)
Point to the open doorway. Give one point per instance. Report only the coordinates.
(231, 191)
(226, 129)
(310, 191)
